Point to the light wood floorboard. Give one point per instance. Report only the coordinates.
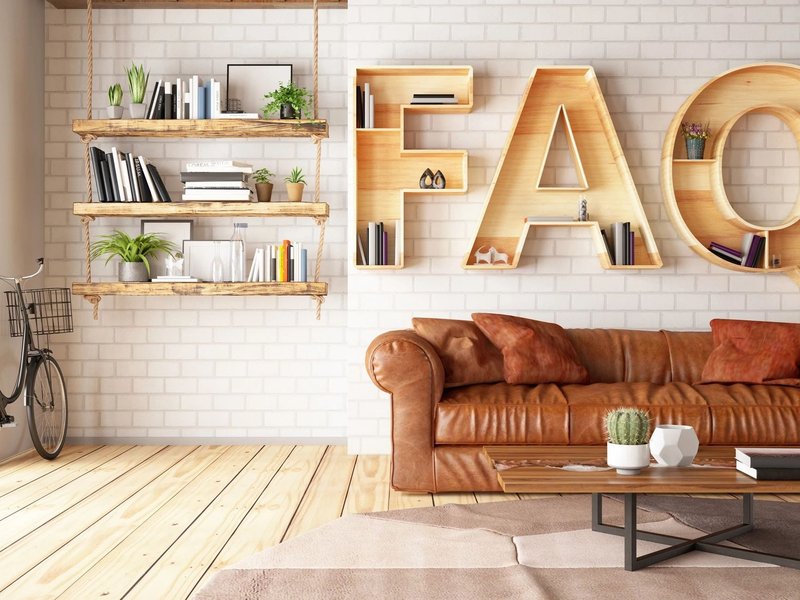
(163, 520)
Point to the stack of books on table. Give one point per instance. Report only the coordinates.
(121, 177)
(769, 463)
(434, 99)
(216, 181)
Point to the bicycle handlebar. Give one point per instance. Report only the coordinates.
(26, 277)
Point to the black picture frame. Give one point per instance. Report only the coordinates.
(269, 74)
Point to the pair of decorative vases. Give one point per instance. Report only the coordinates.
(670, 445)
(432, 181)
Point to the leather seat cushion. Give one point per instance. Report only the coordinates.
(746, 414)
(668, 403)
(502, 414)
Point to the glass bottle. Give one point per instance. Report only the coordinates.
(238, 251)
(217, 266)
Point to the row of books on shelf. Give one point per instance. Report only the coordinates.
(284, 262)
(769, 463)
(378, 247)
(124, 177)
(750, 254)
(365, 107)
(221, 181)
(620, 243)
(189, 99)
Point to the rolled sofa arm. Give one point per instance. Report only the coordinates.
(407, 367)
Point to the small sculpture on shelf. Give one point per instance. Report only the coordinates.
(695, 135)
(295, 184)
(583, 209)
(490, 256)
(137, 83)
(263, 179)
(115, 101)
(289, 100)
(439, 182)
(432, 181)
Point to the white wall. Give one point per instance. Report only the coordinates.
(260, 368)
(21, 175)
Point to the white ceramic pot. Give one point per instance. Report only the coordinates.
(137, 110)
(674, 445)
(114, 112)
(628, 459)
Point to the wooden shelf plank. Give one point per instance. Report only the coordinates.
(201, 209)
(199, 3)
(200, 128)
(114, 288)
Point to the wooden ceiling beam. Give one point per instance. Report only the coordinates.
(199, 3)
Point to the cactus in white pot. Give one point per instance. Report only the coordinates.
(628, 430)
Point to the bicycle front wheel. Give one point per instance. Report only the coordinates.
(46, 404)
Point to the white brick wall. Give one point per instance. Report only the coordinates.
(234, 367)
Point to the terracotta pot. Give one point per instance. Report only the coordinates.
(264, 192)
(295, 191)
(114, 112)
(132, 272)
(628, 459)
(137, 110)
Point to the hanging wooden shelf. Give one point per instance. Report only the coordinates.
(271, 288)
(201, 128)
(201, 209)
(199, 3)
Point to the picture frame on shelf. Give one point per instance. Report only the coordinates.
(176, 231)
(248, 83)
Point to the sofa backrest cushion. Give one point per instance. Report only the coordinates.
(468, 357)
(621, 355)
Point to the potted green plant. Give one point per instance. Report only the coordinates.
(628, 430)
(137, 83)
(289, 100)
(134, 253)
(114, 107)
(695, 135)
(295, 183)
(263, 179)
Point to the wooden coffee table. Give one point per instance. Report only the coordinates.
(528, 473)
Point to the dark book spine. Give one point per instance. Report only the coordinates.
(135, 197)
(608, 246)
(159, 112)
(108, 189)
(112, 169)
(154, 96)
(359, 107)
(724, 256)
(626, 230)
(772, 474)
(290, 269)
(159, 183)
(631, 247)
(144, 189)
(96, 157)
(168, 114)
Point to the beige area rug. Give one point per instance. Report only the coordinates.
(529, 549)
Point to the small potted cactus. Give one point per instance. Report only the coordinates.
(628, 430)
(115, 101)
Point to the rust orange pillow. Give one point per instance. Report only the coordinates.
(467, 356)
(753, 352)
(533, 351)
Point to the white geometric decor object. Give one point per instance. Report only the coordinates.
(674, 445)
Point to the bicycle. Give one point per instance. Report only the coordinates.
(31, 314)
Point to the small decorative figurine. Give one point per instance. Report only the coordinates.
(426, 181)
(490, 257)
(583, 209)
(439, 182)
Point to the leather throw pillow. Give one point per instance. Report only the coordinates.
(753, 352)
(533, 351)
(467, 356)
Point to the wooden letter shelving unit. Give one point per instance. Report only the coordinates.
(90, 129)
(385, 170)
(571, 97)
(693, 190)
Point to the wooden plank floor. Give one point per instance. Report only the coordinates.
(163, 519)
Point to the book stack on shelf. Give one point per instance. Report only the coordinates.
(284, 262)
(749, 256)
(377, 251)
(434, 99)
(175, 279)
(124, 177)
(769, 463)
(620, 243)
(365, 108)
(216, 181)
(189, 99)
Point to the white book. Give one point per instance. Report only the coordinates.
(237, 116)
(118, 173)
(361, 249)
(150, 184)
(367, 122)
(373, 243)
(271, 272)
(260, 264)
(252, 275)
(194, 93)
(187, 103)
(177, 279)
(200, 166)
(179, 99)
(298, 253)
(240, 195)
(372, 111)
(398, 241)
(126, 180)
(215, 185)
(215, 100)
(747, 240)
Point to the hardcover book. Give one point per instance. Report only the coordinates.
(771, 458)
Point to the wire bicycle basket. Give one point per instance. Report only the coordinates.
(49, 311)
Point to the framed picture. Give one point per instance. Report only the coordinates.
(249, 83)
(176, 232)
(200, 254)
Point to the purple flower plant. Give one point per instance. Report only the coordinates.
(696, 131)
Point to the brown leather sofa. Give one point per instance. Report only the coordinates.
(438, 431)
